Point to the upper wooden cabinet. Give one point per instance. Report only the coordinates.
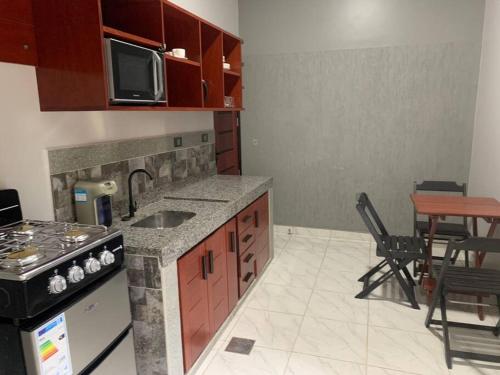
(72, 72)
(17, 37)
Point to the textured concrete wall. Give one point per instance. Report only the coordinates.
(329, 122)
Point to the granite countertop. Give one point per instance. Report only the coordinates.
(214, 200)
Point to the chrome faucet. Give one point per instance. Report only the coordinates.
(132, 205)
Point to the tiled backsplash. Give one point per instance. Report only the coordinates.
(115, 161)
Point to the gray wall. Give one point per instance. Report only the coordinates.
(345, 96)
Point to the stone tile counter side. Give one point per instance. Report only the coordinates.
(151, 258)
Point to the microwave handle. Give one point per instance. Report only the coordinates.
(157, 76)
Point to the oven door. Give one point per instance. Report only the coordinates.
(135, 74)
(95, 332)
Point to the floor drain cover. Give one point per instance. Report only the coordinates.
(240, 346)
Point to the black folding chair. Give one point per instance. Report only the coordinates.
(464, 280)
(397, 251)
(445, 231)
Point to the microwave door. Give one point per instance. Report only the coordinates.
(132, 73)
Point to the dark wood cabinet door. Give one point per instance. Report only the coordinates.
(261, 212)
(218, 308)
(193, 276)
(17, 35)
(227, 142)
(232, 263)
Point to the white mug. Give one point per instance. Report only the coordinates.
(179, 52)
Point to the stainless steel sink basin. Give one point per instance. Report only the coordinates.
(165, 219)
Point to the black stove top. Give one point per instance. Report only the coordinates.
(29, 245)
(43, 263)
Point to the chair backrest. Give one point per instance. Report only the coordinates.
(483, 244)
(371, 219)
(437, 186)
(444, 186)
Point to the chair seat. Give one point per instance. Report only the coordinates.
(404, 247)
(471, 280)
(455, 230)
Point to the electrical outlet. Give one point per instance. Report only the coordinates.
(204, 137)
(177, 141)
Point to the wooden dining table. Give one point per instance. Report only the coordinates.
(439, 207)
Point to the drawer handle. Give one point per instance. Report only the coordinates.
(247, 238)
(232, 242)
(210, 261)
(248, 277)
(204, 268)
(247, 218)
(249, 258)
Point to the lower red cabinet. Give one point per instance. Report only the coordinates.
(217, 272)
(203, 293)
(193, 294)
(232, 263)
(218, 309)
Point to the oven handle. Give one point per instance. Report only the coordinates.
(157, 76)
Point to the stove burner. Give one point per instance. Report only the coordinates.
(22, 257)
(74, 235)
(24, 229)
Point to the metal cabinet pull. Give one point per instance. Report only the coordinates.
(210, 261)
(232, 242)
(249, 257)
(248, 276)
(204, 268)
(205, 90)
(247, 238)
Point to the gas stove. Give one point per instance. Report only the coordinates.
(44, 262)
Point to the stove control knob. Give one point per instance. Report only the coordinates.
(75, 274)
(57, 284)
(106, 258)
(91, 265)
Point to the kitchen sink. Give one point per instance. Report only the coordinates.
(165, 219)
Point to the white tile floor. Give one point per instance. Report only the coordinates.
(306, 321)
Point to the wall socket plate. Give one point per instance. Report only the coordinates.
(204, 137)
(177, 141)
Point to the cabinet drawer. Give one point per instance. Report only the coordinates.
(246, 239)
(247, 267)
(246, 218)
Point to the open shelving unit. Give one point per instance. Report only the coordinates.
(72, 72)
(213, 79)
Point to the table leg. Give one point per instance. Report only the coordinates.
(428, 282)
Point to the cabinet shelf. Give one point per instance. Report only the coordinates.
(231, 73)
(127, 37)
(181, 61)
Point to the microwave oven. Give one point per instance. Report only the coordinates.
(136, 74)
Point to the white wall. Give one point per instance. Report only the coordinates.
(223, 13)
(26, 133)
(484, 179)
